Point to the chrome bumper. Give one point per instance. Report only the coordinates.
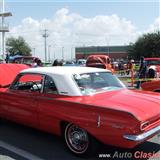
(142, 136)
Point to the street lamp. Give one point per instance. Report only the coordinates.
(63, 53)
(107, 40)
(49, 57)
(45, 36)
(34, 51)
(54, 54)
(72, 52)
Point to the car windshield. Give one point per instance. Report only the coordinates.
(90, 83)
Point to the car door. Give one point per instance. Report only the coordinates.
(53, 108)
(48, 106)
(20, 100)
(1, 111)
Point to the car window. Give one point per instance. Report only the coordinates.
(89, 83)
(28, 83)
(18, 60)
(27, 60)
(49, 86)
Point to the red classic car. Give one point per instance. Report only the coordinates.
(84, 105)
(151, 86)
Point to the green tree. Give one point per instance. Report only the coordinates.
(148, 45)
(17, 46)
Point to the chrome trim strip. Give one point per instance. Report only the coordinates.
(142, 136)
(98, 121)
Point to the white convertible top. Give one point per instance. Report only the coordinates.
(63, 70)
(63, 77)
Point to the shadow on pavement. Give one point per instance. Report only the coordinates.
(50, 147)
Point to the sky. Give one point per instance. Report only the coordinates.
(75, 23)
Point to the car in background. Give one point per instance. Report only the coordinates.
(46, 64)
(151, 86)
(1, 59)
(28, 60)
(84, 105)
(99, 61)
(69, 63)
(153, 62)
(81, 62)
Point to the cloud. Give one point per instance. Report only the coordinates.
(155, 26)
(67, 30)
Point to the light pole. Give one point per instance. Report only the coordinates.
(107, 40)
(34, 51)
(108, 49)
(72, 52)
(49, 57)
(54, 56)
(63, 53)
(45, 35)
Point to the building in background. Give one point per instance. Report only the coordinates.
(116, 53)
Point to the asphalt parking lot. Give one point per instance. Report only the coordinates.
(21, 143)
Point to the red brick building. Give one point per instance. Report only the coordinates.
(114, 52)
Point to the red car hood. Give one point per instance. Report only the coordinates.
(143, 105)
(9, 71)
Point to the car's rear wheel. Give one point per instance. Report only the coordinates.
(78, 140)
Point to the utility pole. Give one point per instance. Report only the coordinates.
(45, 36)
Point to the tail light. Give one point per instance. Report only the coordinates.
(144, 125)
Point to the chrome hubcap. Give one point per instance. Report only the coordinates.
(77, 139)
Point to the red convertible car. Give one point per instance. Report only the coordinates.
(82, 104)
(151, 86)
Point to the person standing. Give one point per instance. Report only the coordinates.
(55, 63)
(130, 70)
(142, 73)
(7, 58)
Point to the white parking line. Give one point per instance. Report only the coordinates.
(19, 151)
